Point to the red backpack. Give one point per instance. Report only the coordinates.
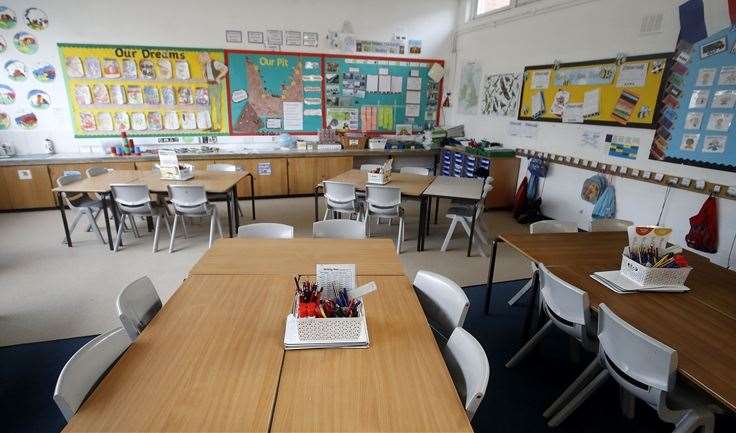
(703, 233)
(520, 199)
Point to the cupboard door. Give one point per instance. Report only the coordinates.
(505, 172)
(304, 175)
(271, 181)
(332, 166)
(145, 165)
(28, 186)
(5, 203)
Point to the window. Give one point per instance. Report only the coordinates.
(486, 6)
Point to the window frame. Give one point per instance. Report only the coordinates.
(474, 9)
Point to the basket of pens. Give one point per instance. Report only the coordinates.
(649, 261)
(327, 313)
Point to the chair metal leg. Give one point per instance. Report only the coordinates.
(585, 377)
(327, 212)
(212, 228)
(156, 232)
(184, 226)
(119, 238)
(628, 404)
(450, 232)
(525, 349)
(400, 236)
(173, 233)
(93, 225)
(586, 392)
(523, 291)
(72, 227)
(219, 226)
(133, 226)
(694, 420)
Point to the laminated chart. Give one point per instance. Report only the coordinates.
(145, 90)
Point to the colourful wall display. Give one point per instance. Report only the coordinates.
(145, 90)
(697, 122)
(271, 92)
(602, 92)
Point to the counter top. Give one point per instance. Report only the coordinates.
(76, 158)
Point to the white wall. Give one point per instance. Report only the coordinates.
(576, 31)
(199, 24)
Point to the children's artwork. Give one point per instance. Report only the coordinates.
(689, 142)
(117, 95)
(7, 95)
(82, 94)
(39, 99)
(724, 99)
(44, 72)
(87, 121)
(171, 120)
(3, 44)
(130, 70)
(36, 19)
(111, 68)
(25, 42)
(469, 88)
(501, 94)
(104, 121)
(720, 122)
(74, 68)
(706, 77)
(188, 120)
(622, 146)
(168, 96)
(4, 120)
(135, 95)
(148, 70)
(204, 121)
(699, 99)
(122, 121)
(714, 144)
(164, 69)
(182, 70)
(26, 120)
(138, 121)
(728, 76)
(16, 70)
(342, 118)
(150, 95)
(7, 18)
(693, 120)
(184, 96)
(201, 96)
(92, 68)
(155, 121)
(624, 107)
(560, 100)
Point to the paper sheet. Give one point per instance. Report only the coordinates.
(341, 276)
(436, 72)
(540, 79)
(384, 83)
(632, 75)
(573, 113)
(413, 83)
(397, 83)
(592, 103)
(413, 97)
(412, 110)
(293, 116)
(371, 84)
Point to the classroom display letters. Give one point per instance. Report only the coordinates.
(600, 92)
(696, 122)
(145, 90)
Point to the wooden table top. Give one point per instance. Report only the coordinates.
(209, 361)
(297, 256)
(400, 383)
(213, 181)
(470, 188)
(412, 185)
(704, 338)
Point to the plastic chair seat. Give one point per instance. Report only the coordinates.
(86, 201)
(204, 209)
(460, 211)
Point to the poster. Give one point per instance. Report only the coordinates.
(469, 89)
(145, 90)
(501, 94)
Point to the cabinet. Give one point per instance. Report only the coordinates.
(28, 186)
(273, 182)
(503, 169)
(305, 173)
(5, 203)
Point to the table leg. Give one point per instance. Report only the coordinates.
(316, 203)
(252, 196)
(228, 200)
(436, 208)
(420, 231)
(60, 200)
(236, 207)
(107, 220)
(472, 229)
(428, 218)
(491, 271)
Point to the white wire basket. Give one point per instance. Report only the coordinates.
(330, 329)
(379, 178)
(652, 277)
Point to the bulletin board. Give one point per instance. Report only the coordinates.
(380, 94)
(145, 90)
(274, 92)
(599, 92)
(697, 121)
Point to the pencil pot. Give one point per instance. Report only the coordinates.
(646, 276)
(331, 329)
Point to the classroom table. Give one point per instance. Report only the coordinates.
(411, 185)
(297, 256)
(699, 324)
(213, 360)
(214, 183)
(463, 189)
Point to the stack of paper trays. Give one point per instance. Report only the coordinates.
(292, 341)
(617, 282)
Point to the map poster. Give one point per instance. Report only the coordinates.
(145, 91)
(262, 84)
(468, 97)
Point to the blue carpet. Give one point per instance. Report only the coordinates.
(514, 402)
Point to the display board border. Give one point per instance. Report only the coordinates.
(657, 105)
(322, 57)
